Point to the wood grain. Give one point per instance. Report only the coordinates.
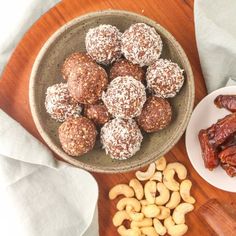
(177, 17)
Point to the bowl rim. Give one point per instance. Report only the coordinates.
(119, 169)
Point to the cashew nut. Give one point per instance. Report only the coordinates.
(157, 176)
(137, 187)
(144, 202)
(179, 168)
(129, 201)
(164, 194)
(150, 191)
(150, 231)
(119, 217)
(150, 211)
(146, 175)
(143, 223)
(185, 187)
(175, 230)
(160, 229)
(136, 216)
(121, 189)
(180, 211)
(160, 163)
(169, 181)
(128, 232)
(165, 212)
(174, 200)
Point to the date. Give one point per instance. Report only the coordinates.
(226, 101)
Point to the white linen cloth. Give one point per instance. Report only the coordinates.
(215, 28)
(39, 196)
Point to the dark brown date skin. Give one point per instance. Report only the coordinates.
(230, 170)
(209, 152)
(226, 101)
(228, 155)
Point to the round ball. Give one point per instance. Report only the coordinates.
(86, 82)
(164, 78)
(124, 97)
(77, 136)
(121, 138)
(59, 104)
(156, 114)
(103, 44)
(124, 67)
(73, 60)
(98, 113)
(141, 44)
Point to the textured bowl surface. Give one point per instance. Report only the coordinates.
(46, 72)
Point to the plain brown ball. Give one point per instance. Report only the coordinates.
(124, 67)
(73, 60)
(77, 136)
(156, 114)
(86, 82)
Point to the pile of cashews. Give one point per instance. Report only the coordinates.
(159, 205)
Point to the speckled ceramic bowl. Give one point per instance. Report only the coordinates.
(46, 72)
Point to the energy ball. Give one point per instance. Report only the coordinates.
(156, 114)
(86, 82)
(141, 44)
(164, 78)
(121, 138)
(124, 97)
(77, 136)
(98, 113)
(103, 44)
(73, 60)
(59, 104)
(124, 67)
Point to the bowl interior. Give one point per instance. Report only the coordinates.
(46, 72)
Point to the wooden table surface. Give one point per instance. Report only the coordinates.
(177, 17)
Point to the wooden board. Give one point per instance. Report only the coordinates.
(177, 17)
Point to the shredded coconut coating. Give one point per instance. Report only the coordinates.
(59, 104)
(124, 97)
(77, 136)
(86, 82)
(164, 78)
(124, 67)
(121, 138)
(103, 44)
(156, 114)
(73, 60)
(141, 44)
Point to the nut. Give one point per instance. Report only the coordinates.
(150, 191)
(142, 176)
(160, 229)
(137, 187)
(169, 181)
(129, 201)
(174, 200)
(121, 189)
(143, 223)
(175, 230)
(150, 211)
(150, 231)
(165, 213)
(135, 216)
(161, 164)
(128, 232)
(180, 211)
(144, 202)
(164, 194)
(185, 187)
(119, 217)
(179, 168)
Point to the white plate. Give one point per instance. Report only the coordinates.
(204, 115)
